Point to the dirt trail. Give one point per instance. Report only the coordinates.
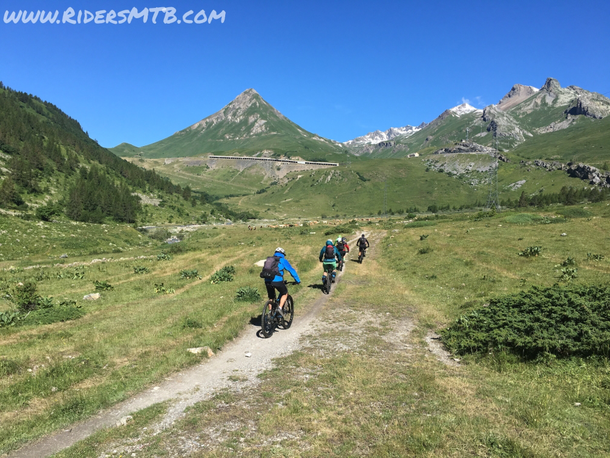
(245, 357)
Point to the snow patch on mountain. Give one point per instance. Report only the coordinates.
(463, 109)
(372, 138)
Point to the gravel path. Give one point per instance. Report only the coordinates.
(246, 357)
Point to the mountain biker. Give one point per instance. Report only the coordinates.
(343, 248)
(363, 244)
(328, 255)
(277, 281)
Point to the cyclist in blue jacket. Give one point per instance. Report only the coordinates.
(277, 282)
(329, 255)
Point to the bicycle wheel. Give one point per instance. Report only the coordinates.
(288, 312)
(267, 323)
(360, 258)
(328, 282)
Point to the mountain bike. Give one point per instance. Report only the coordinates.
(271, 318)
(361, 255)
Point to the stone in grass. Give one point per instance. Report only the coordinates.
(64, 256)
(197, 350)
(91, 297)
(123, 421)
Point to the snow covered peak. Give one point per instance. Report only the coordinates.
(463, 109)
(373, 138)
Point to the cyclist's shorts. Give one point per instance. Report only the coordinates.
(330, 266)
(280, 286)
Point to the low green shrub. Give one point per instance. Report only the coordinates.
(568, 274)
(225, 274)
(160, 289)
(164, 257)
(141, 270)
(8, 318)
(45, 302)
(247, 294)
(595, 257)
(188, 274)
(190, 323)
(531, 251)
(560, 320)
(424, 236)
(8, 367)
(568, 262)
(425, 250)
(102, 285)
(24, 296)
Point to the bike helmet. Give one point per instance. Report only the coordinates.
(280, 250)
(339, 239)
(329, 242)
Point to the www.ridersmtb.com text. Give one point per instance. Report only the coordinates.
(166, 14)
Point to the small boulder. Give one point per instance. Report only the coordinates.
(64, 256)
(123, 421)
(91, 297)
(198, 350)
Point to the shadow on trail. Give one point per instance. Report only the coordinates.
(256, 321)
(320, 287)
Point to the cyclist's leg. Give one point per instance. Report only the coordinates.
(283, 292)
(270, 291)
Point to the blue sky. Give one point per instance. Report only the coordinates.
(336, 68)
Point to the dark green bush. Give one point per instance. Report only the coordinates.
(102, 285)
(561, 320)
(425, 250)
(248, 294)
(160, 234)
(24, 296)
(188, 274)
(141, 270)
(224, 274)
(531, 251)
(8, 367)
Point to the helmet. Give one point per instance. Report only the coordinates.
(329, 242)
(362, 235)
(339, 239)
(280, 250)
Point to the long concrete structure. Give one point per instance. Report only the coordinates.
(268, 159)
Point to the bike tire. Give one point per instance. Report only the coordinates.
(267, 322)
(360, 258)
(328, 283)
(288, 312)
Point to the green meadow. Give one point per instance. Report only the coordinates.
(373, 379)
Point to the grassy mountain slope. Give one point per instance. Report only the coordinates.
(246, 126)
(587, 141)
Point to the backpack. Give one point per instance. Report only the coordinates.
(341, 246)
(330, 252)
(271, 267)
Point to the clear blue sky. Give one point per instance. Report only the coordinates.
(336, 68)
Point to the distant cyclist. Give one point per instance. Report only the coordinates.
(362, 244)
(343, 248)
(329, 255)
(273, 273)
